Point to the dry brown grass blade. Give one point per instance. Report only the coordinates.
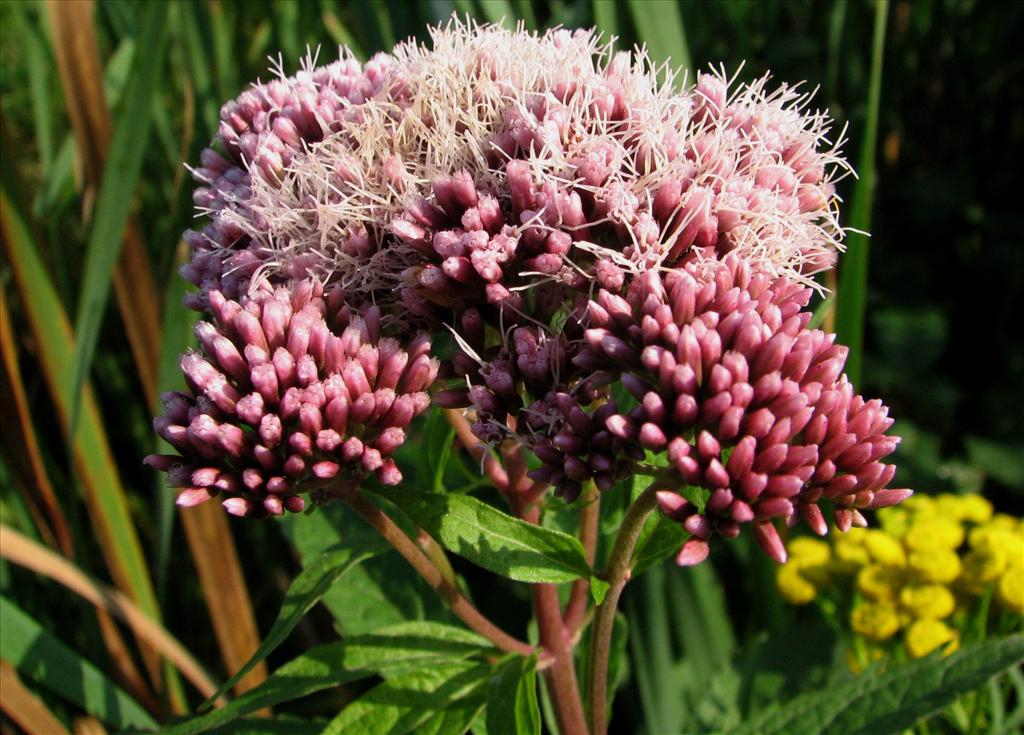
(81, 74)
(128, 674)
(20, 439)
(88, 726)
(208, 533)
(23, 551)
(135, 290)
(209, 537)
(33, 481)
(24, 707)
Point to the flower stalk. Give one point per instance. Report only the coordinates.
(413, 554)
(604, 617)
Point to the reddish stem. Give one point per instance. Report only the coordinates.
(412, 553)
(560, 676)
(477, 450)
(590, 515)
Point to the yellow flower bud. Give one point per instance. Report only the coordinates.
(982, 568)
(879, 582)
(894, 520)
(920, 504)
(932, 601)
(875, 620)
(807, 551)
(934, 533)
(938, 565)
(995, 538)
(924, 636)
(793, 587)
(975, 509)
(1010, 590)
(885, 549)
(849, 554)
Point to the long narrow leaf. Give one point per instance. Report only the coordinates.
(660, 26)
(890, 701)
(23, 707)
(20, 440)
(25, 552)
(43, 658)
(853, 275)
(94, 462)
(305, 591)
(120, 174)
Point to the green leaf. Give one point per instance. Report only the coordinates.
(39, 656)
(1004, 462)
(660, 538)
(113, 204)
(701, 615)
(598, 589)
(606, 18)
(498, 11)
(388, 652)
(893, 700)
(305, 591)
(660, 26)
(512, 698)
(851, 297)
(492, 539)
(409, 702)
(382, 591)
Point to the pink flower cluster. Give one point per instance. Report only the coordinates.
(579, 223)
(287, 393)
(744, 402)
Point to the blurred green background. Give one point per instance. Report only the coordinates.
(942, 337)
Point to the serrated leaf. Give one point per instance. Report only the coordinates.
(892, 700)
(382, 591)
(492, 539)
(388, 652)
(39, 656)
(304, 592)
(512, 698)
(408, 702)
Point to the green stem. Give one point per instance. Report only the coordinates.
(604, 619)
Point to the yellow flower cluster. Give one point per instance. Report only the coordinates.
(931, 558)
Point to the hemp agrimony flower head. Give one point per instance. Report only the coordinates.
(495, 160)
(578, 221)
(288, 393)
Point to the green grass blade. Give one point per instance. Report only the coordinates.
(38, 66)
(224, 51)
(46, 660)
(498, 11)
(120, 174)
(853, 274)
(94, 461)
(660, 26)
(177, 333)
(198, 65)
(606, 18)
(701, 616)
